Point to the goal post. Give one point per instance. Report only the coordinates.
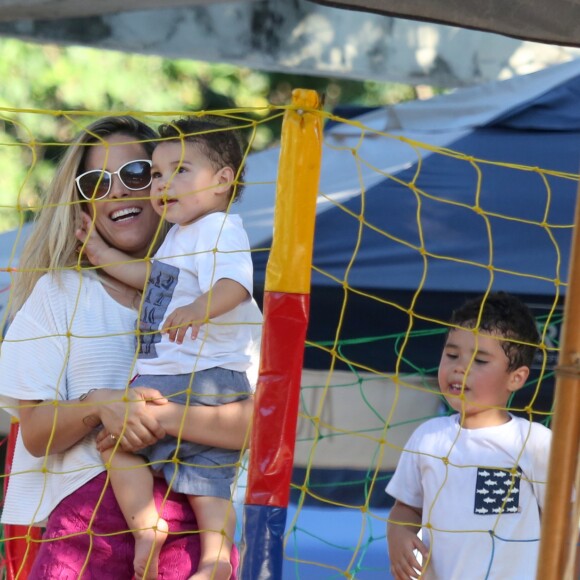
(286, 309)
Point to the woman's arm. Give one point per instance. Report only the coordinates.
(227, 426)
(49, 427)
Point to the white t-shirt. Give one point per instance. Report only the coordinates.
(63, 342)
(190, 261)
(462, 498)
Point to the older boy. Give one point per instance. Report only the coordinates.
(474, 481)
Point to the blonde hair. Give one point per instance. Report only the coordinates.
(52, 245)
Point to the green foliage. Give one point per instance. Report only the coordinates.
(40, 81)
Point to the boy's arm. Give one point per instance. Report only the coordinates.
(402, 527)
(225, 295)
(117, 264)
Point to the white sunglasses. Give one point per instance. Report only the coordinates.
(96, 183)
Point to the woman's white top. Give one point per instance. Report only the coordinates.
(64, 341)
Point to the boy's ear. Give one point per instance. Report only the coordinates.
(225, 177)
(518, 378)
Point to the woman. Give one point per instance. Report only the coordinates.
(70, 350)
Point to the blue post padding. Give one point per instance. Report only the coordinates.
(262, 549)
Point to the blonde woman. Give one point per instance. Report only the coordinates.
(66, 362)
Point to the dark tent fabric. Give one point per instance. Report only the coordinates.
(519, 242)
(556, 22)
(543, 133)
(458, 232)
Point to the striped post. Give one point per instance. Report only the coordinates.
(286, 309)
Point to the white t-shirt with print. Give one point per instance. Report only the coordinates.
(190, 261)
(480, 518)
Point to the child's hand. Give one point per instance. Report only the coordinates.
(94, 246)
(180, 320)
(402, 544)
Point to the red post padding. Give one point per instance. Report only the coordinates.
(277, 399)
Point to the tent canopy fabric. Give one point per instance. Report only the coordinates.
(480, 217)
(554, 22)
(531, 121)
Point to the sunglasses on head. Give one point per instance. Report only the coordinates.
(96, 183)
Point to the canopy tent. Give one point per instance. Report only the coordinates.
(302, 37)
(532, 120)
(11, 244)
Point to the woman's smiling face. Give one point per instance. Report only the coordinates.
(474, 377)
(125, 219)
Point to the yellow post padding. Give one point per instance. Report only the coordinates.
(290, 262)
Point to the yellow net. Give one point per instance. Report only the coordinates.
(405, 231)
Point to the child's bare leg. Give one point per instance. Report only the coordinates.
(132, 483)
(213, 515)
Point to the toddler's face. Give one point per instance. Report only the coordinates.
(474, 377)
(185, 185)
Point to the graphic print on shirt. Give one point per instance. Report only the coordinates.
(158, 295)
(497, 490)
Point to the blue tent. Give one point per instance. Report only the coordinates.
(532, 121)
(463, 224)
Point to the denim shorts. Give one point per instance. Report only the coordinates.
(191, 468)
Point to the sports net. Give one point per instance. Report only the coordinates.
(405, 231)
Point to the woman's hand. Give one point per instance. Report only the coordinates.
(126, 416)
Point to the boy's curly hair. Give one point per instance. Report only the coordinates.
(505, 315)
(217, 139)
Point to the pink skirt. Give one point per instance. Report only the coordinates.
(107, 552)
